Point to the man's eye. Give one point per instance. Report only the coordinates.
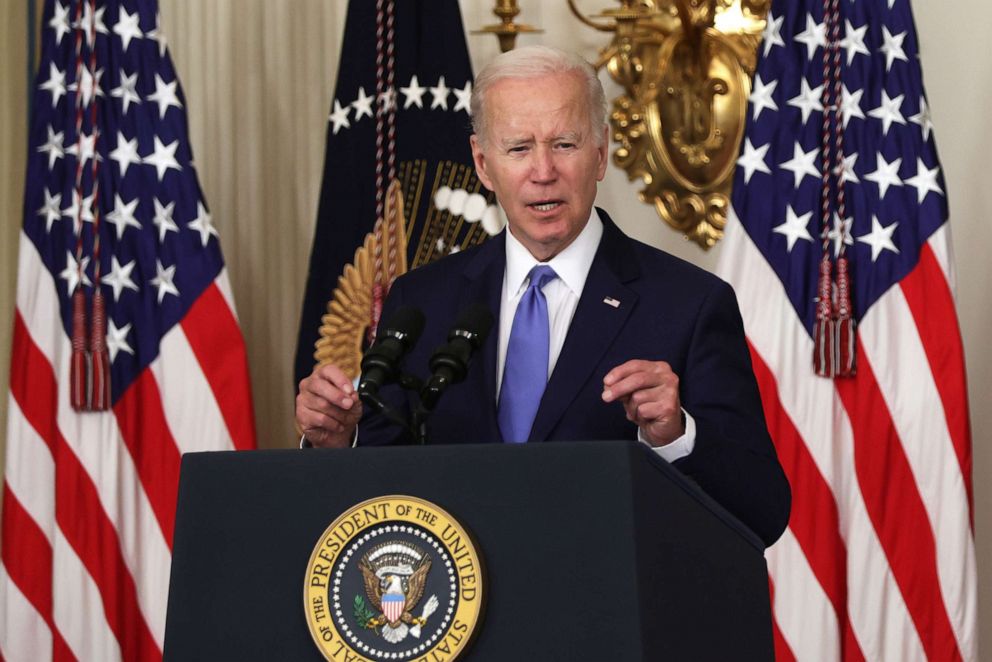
(519, 149)
(566, 145)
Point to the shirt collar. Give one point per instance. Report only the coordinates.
(572, 264)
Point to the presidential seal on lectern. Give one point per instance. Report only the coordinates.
(394, 578)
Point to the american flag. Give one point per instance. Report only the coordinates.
(400, 114)
(878, 562)
(112, 204)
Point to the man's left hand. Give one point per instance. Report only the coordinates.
(649, 391)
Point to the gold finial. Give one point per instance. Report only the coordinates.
(507, 30)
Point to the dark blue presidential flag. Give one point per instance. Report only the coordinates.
(838, 246)
(399, 189)
(126, 348)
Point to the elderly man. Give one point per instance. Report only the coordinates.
(599, 337)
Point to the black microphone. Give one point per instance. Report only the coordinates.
(449, 363)
(380, 365)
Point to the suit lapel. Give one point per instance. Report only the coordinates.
(482, 282)
(594, 326)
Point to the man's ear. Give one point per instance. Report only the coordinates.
(603, 155)
(479, 157)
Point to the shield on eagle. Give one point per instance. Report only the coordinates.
(392, 606)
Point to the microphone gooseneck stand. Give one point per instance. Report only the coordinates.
(448, 364)
(416, 426)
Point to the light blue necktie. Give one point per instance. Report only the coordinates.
(525, 371)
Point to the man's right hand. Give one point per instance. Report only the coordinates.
(327, 408)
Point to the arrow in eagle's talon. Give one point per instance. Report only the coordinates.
(425, 613)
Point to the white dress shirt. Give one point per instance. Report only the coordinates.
(572, 266)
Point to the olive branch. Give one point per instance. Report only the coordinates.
(365, 616)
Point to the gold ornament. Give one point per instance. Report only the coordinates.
(378, 262)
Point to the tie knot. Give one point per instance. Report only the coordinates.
(540, 276)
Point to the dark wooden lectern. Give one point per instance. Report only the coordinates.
(593, 551)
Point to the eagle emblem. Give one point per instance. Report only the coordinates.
(394, 578)
(394, 574)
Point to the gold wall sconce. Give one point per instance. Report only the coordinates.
(685, 67)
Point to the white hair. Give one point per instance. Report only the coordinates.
(537, 62)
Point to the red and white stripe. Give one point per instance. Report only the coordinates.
(878, 562)
(89, 498)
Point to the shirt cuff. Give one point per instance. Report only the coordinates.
(679, 448)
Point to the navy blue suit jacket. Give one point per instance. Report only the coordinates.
(669, 310)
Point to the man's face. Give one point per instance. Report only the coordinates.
(540, 159)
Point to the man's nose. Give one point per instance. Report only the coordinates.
(543, 169)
